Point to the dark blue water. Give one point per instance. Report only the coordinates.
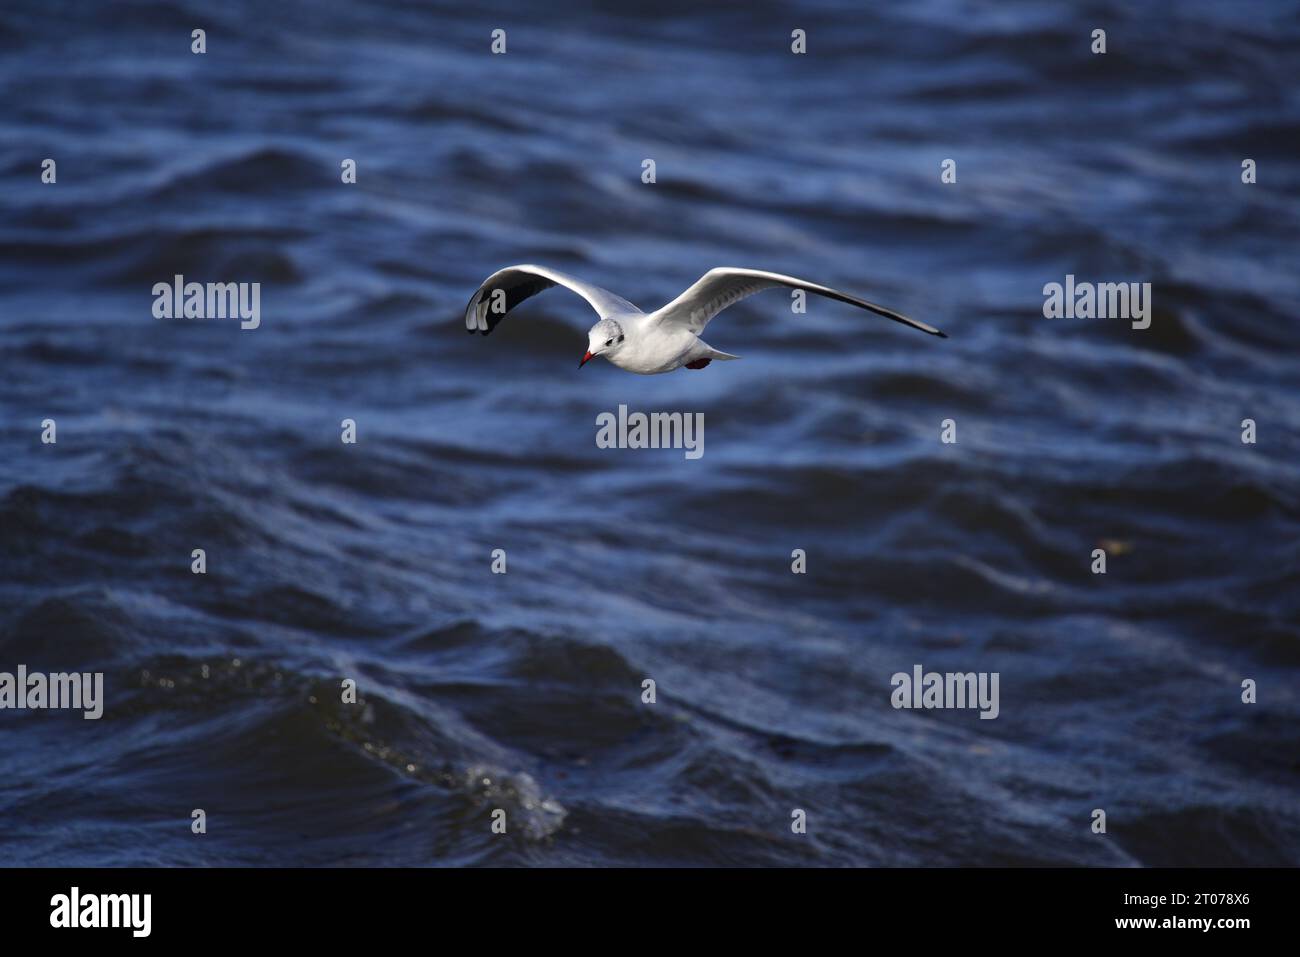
(522, 691)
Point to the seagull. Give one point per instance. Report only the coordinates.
(656, 342)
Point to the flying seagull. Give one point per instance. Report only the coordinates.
(649, 343)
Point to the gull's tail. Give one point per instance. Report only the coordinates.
(715, 354)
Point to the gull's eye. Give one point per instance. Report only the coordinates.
(609, 342)
(621, 338)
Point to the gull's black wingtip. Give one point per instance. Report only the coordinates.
(941, 334)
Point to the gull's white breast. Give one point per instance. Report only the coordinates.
(651, 348)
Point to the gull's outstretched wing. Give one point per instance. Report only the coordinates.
(719, 288)
(516, 283)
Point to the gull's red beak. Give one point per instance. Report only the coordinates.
(585, 359)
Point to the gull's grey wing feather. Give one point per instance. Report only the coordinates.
(719, 288)
(517, 283)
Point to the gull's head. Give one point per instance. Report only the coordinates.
(604, 338)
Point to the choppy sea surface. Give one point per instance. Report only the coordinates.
(523, 691)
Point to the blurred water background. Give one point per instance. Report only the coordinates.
(523, 691)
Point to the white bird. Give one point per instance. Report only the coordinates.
(649, 343)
